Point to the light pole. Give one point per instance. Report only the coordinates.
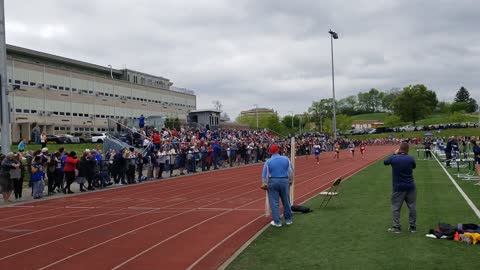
(256, 113)
(111, 71)
(4, 111)
(333, 36)
(292, 118)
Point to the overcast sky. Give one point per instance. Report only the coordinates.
(272, 53)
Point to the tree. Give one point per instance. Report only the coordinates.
(393, 121)
(463, 96)
(370, 101)
(217, 105)
(388, 99)
(414, 103)
(444, 107)
(347, 105)
(344, 122)
(459, 107)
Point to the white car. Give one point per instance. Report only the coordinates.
(407, 128)
(98, 137)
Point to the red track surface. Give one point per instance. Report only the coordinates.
(193, 222)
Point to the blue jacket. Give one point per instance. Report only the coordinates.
(277, 167)
(402, 172)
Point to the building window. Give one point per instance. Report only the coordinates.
(32, 84)
(17, 82)
(67, 114)
(76, 129)
(25, 83)
(60, 88)
(85, 115)
(55, 113)
(57, 128)
(116, 95)
(62, 113)
(90, 92)
(80, 114)
(53, 86)
(26, 111)
(18, 110)
(75, 114)
(74, 89)
(62, 128)
(67, 88)
(33, 111)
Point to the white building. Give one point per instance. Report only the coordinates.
(63, 95)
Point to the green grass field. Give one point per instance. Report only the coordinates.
(370, 116)
(53, 147)
(351, 232)
(445, 133)
(434, 119)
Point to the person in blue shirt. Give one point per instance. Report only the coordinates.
(21, 145)
(277, 176)
(403, 186)
(141, 121)
(476, 154)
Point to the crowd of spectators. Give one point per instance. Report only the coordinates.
(163, 153)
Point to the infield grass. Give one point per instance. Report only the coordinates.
(351, 232)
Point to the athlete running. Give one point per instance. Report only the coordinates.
(316, 151)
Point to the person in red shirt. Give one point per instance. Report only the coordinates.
(156, 140)
(69, 169)
(362, 149)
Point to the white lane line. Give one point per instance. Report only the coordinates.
(67, 236)
(467, 199)
(221, 242)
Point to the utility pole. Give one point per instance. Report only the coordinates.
(333, 36)
(256, 113)
(5, 112)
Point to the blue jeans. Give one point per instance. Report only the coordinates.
(279, 188)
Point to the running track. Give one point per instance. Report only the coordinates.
(194, 222)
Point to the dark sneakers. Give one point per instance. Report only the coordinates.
(394, 230)
(412, 229)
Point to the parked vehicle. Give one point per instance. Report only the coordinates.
(56, 139)
(69, 138)
(84, 137)
(98, 137)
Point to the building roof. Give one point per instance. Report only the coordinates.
(63, 60)
(205, 110)
(258, 110)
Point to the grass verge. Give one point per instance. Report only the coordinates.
(351, 233)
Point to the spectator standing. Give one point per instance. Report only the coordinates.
(21, 145)
(277, 175)
(43, 139)
(7, 167)
(36, 134)
(141, 121)
(476, 154)
(69, 170)
(37, 177)
(403, 187)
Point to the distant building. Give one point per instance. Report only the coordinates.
(363, 124)
(259, 111)
(64, 95)
(209, 119)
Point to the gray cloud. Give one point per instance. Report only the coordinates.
(272, 53)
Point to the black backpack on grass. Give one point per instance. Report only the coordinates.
(301, 209)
